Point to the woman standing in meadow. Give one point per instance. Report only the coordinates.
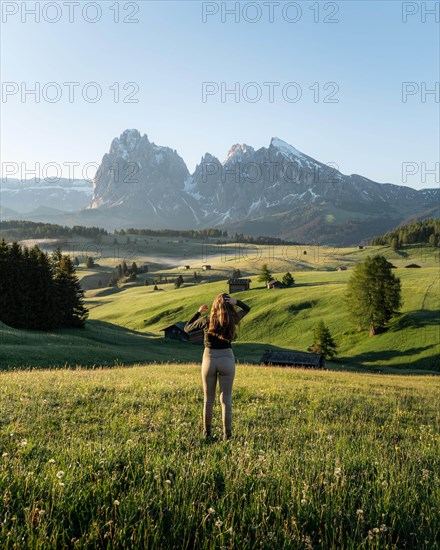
(218, 357)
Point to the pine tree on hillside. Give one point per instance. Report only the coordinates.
(323, 341)
(69, 295)
(288, 280)
(42, 289)
(373, 293)
(264, 275)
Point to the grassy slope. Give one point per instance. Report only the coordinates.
(279, 318)
(318, 460)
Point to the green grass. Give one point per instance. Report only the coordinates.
(114, 458)
(125, 323)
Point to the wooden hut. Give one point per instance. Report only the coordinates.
(413, 265)
(177, 332)
(206, 266)
(237, 285)
(275, 283)
(287, 358)
(342, 268)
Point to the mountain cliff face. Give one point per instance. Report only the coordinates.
(276, 191)
(143, 179)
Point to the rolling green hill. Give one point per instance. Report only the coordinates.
(125, 323)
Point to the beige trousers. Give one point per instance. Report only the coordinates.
(218, 363)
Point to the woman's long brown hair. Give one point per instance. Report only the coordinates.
(223, 319)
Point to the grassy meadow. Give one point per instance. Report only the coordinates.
(114, 458)
(109, 452)
(125, 323)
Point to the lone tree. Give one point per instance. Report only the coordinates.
(373, 294)
(323, 341)
(288, 280)
(265, 275)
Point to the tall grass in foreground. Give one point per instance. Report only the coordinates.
(115, 459)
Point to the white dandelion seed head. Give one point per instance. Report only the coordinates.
(211, 511)
(60, 474)
(116, 503)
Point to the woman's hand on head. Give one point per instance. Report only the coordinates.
(231, 300)
(203, 308)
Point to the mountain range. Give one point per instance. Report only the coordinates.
(274, 191)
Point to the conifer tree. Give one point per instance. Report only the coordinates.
(373, 293)
(288, 280)
(323, 341)
(265, 275)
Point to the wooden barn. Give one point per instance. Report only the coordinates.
(237, 285)
(206, 266)
(413, 265)
(176, 332)
(287, 358)
(275, 283)
(342, 268)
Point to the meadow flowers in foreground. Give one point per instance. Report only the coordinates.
(115, 458)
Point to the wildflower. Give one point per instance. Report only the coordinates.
(129, 441)
(211, 511)
(4, 455)
(60, 474)
(383, 528)
(338, 472)
(168, 481)
(51, 461)
(360, 513)
(376, 530)
(303, 501)
(61, 484)
(116, 503)
(23, 443)
(218, 523)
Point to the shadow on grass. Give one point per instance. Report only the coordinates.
(363, 360)
(416, 319)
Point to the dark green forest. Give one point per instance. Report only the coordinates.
(38, 291)
(426, 231)
(21, 229)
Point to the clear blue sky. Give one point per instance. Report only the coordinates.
(170, 52)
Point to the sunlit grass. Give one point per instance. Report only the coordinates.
(114, 458)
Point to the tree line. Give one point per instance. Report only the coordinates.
(38, 291)
(426, 231)
(21, 229)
